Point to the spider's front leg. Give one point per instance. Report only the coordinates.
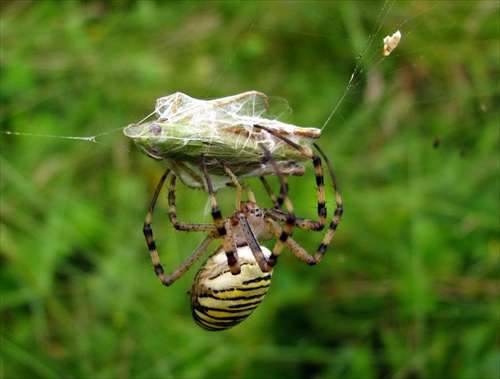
(231, 254)
(251, 227)
(289, 218)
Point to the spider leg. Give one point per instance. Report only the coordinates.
(299, 251)
(232, 258)
(240, 219)
(289, 220)
(282, 194)
(281, 216)
(278, 215)
(188, 227)
(277, 201)
(186, 265)
(265, 265)
(148, 233)
(338, 211)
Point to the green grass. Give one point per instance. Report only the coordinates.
(409, 287)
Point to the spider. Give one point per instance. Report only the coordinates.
(234, 280)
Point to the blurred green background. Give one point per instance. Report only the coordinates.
(409, 287)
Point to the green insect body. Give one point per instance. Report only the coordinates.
(222, 130)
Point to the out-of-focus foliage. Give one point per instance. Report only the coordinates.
(409, 287)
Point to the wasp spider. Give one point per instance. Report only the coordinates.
(234, 280)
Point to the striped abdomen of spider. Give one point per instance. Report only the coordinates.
(219, 299)
(223, 294)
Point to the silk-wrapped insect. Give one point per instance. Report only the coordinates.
(221, 130)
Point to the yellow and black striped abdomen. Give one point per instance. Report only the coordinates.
(220, 300)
